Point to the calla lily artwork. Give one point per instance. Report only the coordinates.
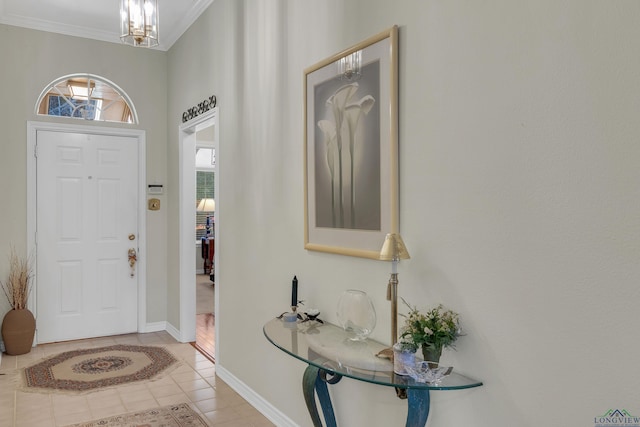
(351, 149)
(340, 139)
(348, 152)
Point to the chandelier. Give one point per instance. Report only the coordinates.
(139, 22)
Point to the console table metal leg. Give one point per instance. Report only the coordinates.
(418, 401)
(314, 382)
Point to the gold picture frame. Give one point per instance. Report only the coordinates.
(351, 148)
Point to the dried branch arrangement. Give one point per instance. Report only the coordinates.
(18, 284)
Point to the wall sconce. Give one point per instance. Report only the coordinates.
(139, 22)
(350, 66)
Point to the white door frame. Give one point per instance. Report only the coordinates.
(186, 218)
(32, 128)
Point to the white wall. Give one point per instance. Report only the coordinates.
(519, 196)
(30, 61)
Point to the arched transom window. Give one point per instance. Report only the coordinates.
(86, 96)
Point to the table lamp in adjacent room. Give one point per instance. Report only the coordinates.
(207, 205)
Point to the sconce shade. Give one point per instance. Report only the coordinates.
(206, 205)
(393, 248)
(139, 22)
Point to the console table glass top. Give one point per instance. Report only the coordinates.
(328, 348)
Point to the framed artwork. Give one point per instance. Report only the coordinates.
(351, 148)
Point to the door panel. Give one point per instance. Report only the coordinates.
(87, 202)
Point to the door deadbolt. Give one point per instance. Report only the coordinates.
(154, 204)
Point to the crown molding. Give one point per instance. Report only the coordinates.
(167, 36)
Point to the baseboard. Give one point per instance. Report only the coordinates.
(164, 326)
(254, 399)
(154, 327)
(173, 331)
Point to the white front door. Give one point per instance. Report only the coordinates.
(87, 220)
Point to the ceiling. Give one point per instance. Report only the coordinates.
(98, 19)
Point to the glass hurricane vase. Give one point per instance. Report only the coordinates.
(356, 314)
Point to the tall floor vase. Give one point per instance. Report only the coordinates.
(18, 330)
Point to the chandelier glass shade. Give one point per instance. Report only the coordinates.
(80, 90)
(350, 66)
(139, 22)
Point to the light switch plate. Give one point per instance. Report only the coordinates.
(154, 204)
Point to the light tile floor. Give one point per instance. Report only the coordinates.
(194, 382)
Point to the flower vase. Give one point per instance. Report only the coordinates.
(403, 359)
(432, 355)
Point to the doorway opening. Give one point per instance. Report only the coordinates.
(200, 132)
(205, 161)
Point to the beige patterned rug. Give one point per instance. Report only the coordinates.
(180, 415)
(98, 368)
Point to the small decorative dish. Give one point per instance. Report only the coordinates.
(423, 373)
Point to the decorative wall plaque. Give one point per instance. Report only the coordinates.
(199, 109)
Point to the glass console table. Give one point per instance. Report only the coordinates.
(331, 355)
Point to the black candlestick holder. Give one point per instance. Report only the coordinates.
(291, 316)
